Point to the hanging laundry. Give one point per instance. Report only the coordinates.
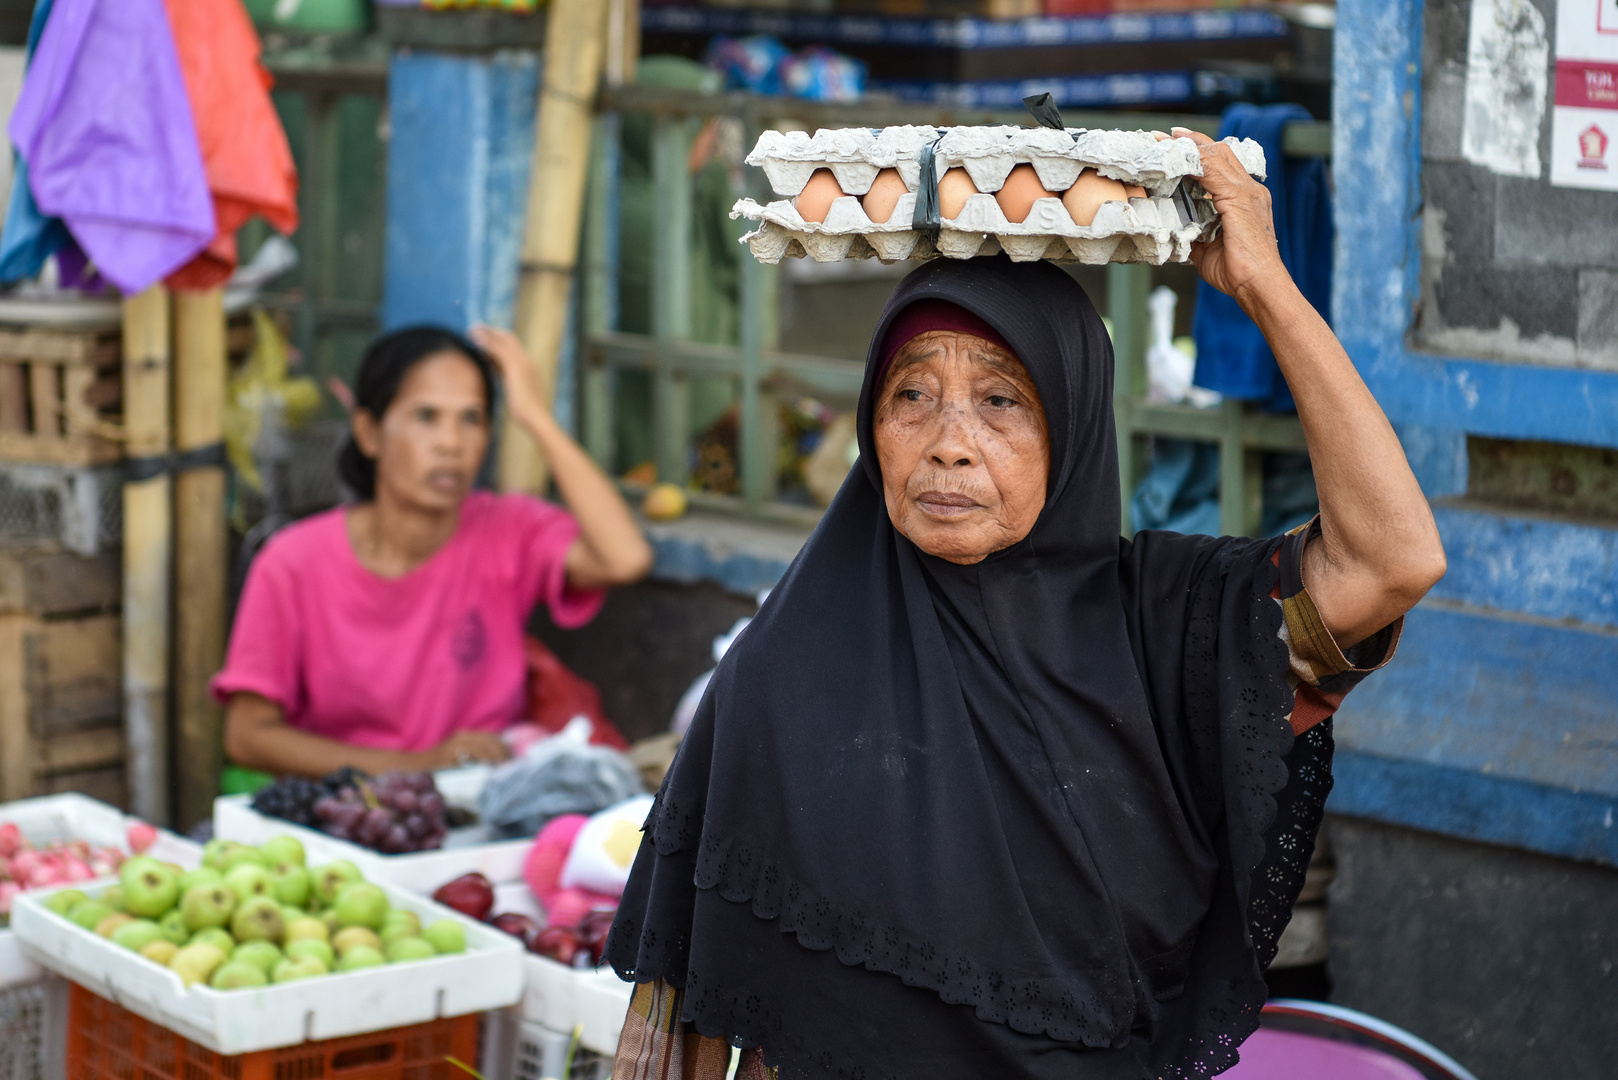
(105, 129)
(1232, 355)
(29, 237)
(244, 148)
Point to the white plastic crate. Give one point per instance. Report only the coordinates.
(424, 871)
(518, 1049)
(33, 1029)
(489, 975)
(71, 816)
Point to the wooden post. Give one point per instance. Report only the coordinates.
(1128, 285)
(575, 52)
(148, 553)
(201, 551)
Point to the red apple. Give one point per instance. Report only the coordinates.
(470, 894)
(560, 943)
(140, 836)
(515, 924)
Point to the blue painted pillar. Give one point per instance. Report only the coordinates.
(458, 160)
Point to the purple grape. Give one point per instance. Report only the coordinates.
(327, 808)
(431, 804)
(397, 839)
(404, 800)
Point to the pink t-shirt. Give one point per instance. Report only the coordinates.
(401, 664)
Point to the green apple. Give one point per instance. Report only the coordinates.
(360, 956)
(260, 953)
(214, 852)
(351, 937)
(399, 918)
(136, 934)
(283, 849)
(312, 947)
(301, 967)
(290, 913)
(258, 919)
(242, 855)
(207, 905)
(409, 948)
(248, 880)
(150, 887)
(331, 878)
(64, 901)
(329, 917)
(307, 926)
(109, 926)
(202, 875)
(160, 951)
(216, 936)
(113, 897)
(87, 913)
(237, 975)
(361, 904)
(445, 936)
(195, 963)
(174, 926)
(291, 883)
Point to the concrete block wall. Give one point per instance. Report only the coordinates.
(1512, 268)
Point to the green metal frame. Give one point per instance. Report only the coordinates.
(761, 372)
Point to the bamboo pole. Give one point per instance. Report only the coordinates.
(575, 52)
(200, 551)
(148, 550)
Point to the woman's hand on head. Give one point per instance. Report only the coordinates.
(1244, 259)
(466, 748)
(524, 398)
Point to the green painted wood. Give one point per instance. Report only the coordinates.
(598, 300)
(671, 294)
(1127, 288)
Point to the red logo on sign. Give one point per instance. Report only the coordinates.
(1593, 148)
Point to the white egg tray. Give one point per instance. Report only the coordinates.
(1155, 229)
(424, 871)
(489, 975)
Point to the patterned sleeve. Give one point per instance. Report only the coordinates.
(1321, 674)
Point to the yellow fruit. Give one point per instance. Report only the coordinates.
(160, 952)
(665, 502)
(350, 937)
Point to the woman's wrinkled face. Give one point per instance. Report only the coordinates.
(962, 443)
(430, 442)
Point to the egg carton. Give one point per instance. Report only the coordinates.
(1157, 228)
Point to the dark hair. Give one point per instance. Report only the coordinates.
(385, 364)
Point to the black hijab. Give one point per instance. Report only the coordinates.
(1042, 816)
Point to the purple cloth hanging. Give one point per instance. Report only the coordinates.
(105, 126)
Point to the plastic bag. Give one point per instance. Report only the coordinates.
(605, 848)
(561, 775)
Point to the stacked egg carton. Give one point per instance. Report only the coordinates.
(1154, 227)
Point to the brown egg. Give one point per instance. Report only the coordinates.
(954, 188)
(883, 196)
(814, 201)
(1135, 191)
(1087, 194)
(1016, 196)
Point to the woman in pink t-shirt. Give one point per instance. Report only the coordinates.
(388, 633)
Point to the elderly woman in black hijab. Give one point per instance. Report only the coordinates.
(986, 791)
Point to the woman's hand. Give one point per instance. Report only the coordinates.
(1244, 259)
(524, 398)
(610, 549)
(466, 748)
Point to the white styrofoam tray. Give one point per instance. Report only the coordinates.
(71, 816)
(489, 975)
(423, 871)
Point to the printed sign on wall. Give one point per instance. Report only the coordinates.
(1584, 124)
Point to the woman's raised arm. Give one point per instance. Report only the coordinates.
(1379, 550)
(611, 549)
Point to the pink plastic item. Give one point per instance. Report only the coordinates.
(1285, 1055)
(542, 870)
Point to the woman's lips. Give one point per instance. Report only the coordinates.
(947, 504)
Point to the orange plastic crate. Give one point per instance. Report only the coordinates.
(108, 1042)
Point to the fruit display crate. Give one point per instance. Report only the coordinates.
(560, 997)
(424, 871)
(489, 975)
(75, 817)
(518, 1049)
(108, 1042)
(33, 1016)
